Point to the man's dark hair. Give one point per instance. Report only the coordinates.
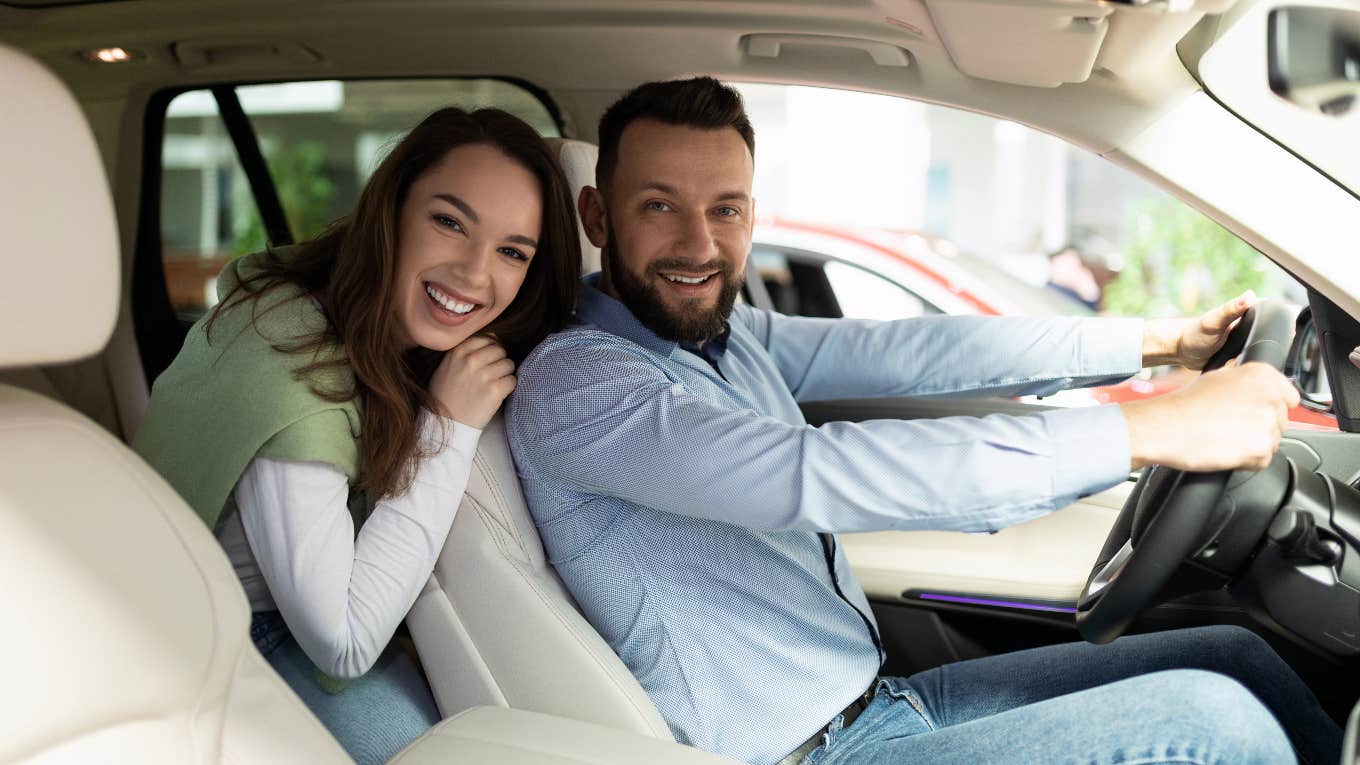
(701, 102)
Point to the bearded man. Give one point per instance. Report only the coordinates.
(692, 512)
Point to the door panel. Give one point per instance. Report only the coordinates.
(1046, 560)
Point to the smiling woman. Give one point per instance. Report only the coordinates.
(344, 383)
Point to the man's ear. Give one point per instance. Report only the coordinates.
(590, 206)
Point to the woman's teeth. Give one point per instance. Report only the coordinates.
(688, 279)
(448, 302)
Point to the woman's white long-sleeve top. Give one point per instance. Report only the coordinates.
(291, 538)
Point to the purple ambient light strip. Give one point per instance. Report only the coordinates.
(997, 603)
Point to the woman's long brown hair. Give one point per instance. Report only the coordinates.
(354, 265)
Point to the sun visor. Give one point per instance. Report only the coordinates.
(1048, 43)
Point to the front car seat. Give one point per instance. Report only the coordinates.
(123, 626)
(495, 625)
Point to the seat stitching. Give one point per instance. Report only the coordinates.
(493, 485)
(571, 629)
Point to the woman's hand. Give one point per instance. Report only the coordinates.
(472, 381)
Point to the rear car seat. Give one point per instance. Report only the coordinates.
(123, 622)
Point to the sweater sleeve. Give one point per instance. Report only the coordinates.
(341, 596)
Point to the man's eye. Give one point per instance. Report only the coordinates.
(728, 212)
(658, 206)
(447, 222)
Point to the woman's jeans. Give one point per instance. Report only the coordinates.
(1207, 695)
(374, 716)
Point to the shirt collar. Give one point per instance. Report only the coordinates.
(595, 307)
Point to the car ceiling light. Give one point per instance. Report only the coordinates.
(110, 55)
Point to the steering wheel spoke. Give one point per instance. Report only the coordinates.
(1106, 575)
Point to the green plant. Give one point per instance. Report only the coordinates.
(1180, 263)
(304, 190)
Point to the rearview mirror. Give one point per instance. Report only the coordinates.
(1304, 365)
(1314, 57)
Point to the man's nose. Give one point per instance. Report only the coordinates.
(696, 239)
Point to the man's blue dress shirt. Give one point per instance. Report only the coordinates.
(680, 496)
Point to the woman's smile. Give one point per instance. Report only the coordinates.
(448, 306)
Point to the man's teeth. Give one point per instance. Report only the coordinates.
(448, 302)
(688, 279)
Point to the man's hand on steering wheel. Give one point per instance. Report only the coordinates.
(1223, 420)
(1191, 442)
(1192, 342)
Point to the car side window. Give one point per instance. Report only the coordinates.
(866, 295)
(320, 142)
(808, 284)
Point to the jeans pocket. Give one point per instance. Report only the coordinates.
(897, 690)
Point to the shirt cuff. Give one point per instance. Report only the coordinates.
(439, 434)
(1091, 450)
(1116, 346)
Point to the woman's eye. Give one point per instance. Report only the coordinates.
(513, 253)
(447, 222)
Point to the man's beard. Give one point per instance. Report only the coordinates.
(692, 323)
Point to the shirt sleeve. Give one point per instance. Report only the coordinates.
(945, 355)
(341, 596)
(600, 420)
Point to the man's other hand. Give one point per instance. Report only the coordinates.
(1224, 420)
(1192, 342)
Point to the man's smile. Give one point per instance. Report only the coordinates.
(691, 285)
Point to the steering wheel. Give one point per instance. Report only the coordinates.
(1162, 521)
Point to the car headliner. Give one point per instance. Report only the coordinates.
(1132, 99)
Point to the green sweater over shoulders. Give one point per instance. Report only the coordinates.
(230, 397)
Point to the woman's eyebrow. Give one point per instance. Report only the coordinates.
(461, 205)
(472, 216)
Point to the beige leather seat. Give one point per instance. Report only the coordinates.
(495, 625)
(122, 625)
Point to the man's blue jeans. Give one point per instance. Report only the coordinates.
(1207, 695)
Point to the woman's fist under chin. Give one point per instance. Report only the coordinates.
(472, 381)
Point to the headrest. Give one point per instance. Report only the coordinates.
(577, 159)
(59, 265)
